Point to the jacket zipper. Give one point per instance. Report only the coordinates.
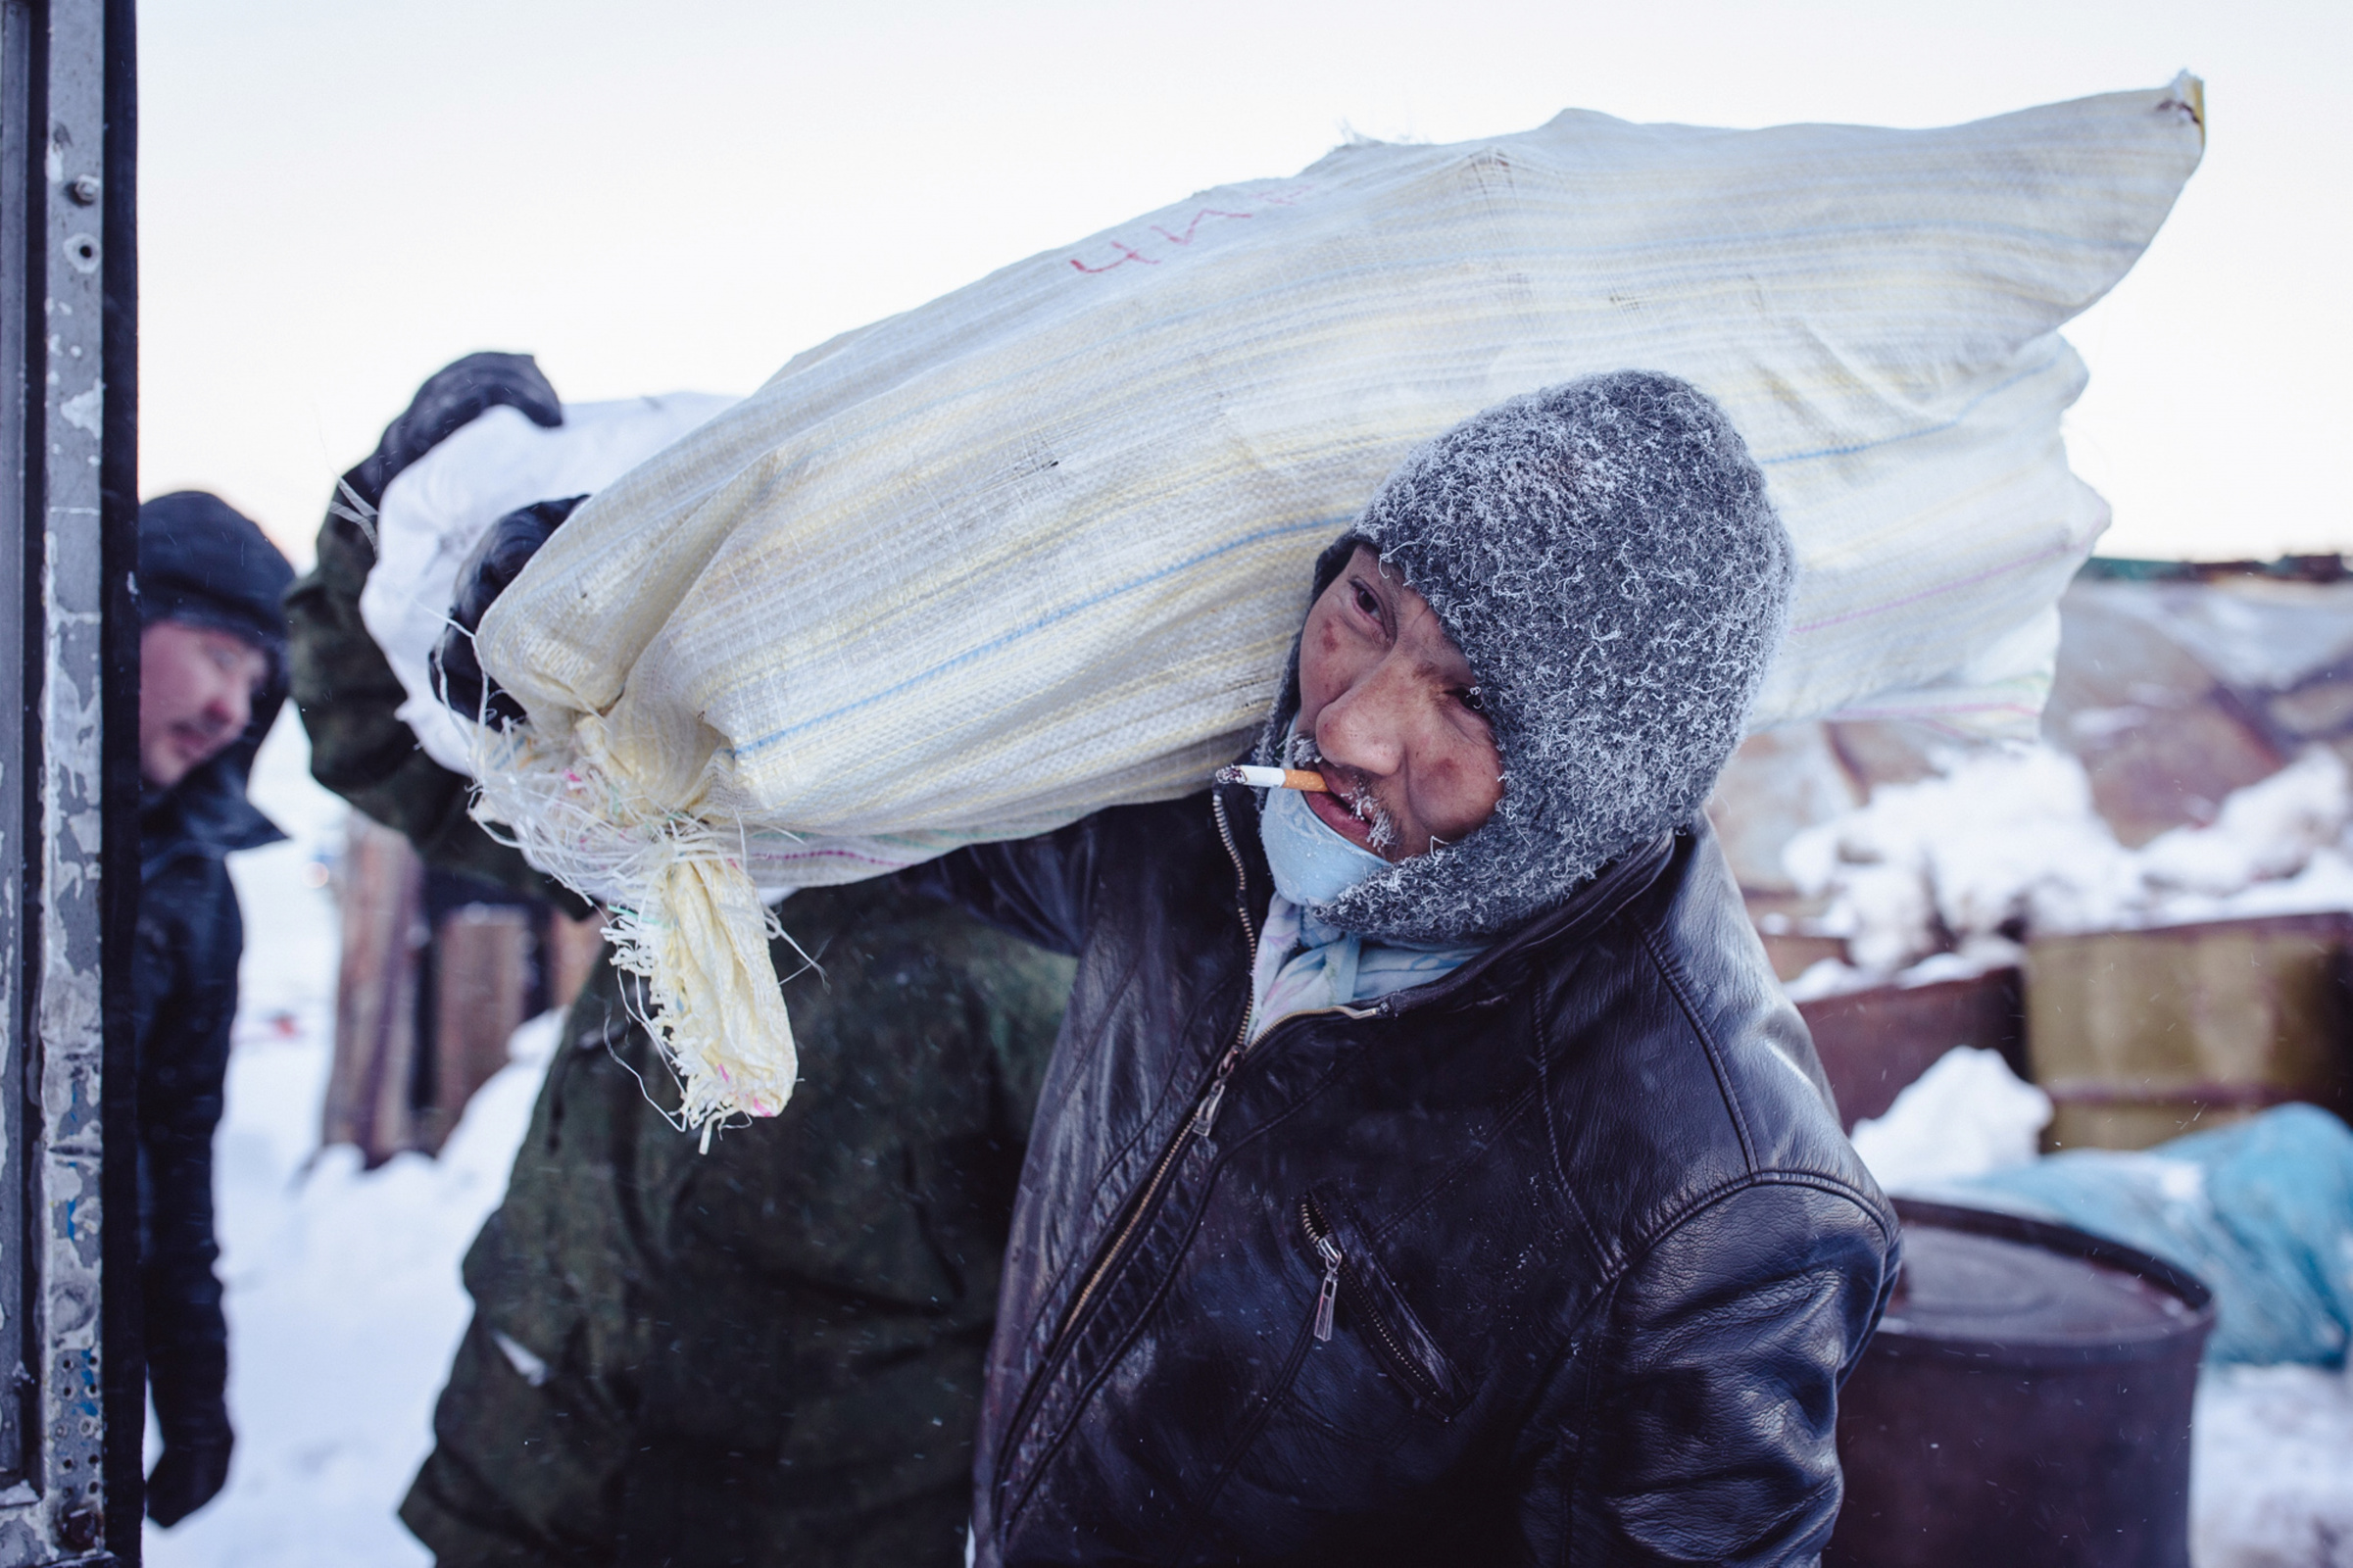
(1327, 1298)
(1204, 1112)
(1327, 1248)
(1205, 1115)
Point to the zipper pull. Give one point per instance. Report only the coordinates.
(1207, 1118)
(1327, 1298)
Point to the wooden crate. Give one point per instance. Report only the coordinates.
(483, 956)
(2141, 1036)
(1873, 1043)
(371, 1097)
(424, 1012)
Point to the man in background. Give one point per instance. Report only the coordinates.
(769, 1354)
(212, 676)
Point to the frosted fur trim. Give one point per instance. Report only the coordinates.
(686, 917)
(1603, 554)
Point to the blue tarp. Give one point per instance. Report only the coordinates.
(2262, 1211)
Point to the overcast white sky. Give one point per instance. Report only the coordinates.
(337, 197)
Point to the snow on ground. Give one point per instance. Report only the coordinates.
(2272, 1468)
(343, 1299)
(344, 1303)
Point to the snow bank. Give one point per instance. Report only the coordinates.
(2004, 842)
(2263, 833)
(343, 1298)
(1966, 1115)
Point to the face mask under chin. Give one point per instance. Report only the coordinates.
(1312, 862)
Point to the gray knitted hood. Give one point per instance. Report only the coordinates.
(1604, 556)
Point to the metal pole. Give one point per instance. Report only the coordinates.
(68, 795)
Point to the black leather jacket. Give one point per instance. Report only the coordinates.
(1592, 1254)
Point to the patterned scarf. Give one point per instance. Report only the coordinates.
(1305, 965)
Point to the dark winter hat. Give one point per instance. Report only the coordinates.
(203, 561)
(1604, 556)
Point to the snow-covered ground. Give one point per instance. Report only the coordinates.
(344, 1303)
(2271, 1480)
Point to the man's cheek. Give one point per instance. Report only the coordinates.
(1315, 697)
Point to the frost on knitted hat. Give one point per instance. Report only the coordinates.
(1603, 554)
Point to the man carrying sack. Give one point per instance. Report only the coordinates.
(1431, 1168)
(767, 1353)
(1477, 1197)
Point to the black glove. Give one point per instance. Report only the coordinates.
(496, 562)
(191, 1472)
(452, 398)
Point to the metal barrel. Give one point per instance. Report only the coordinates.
(1873, 1043)
(2027, 1399)
(2141, 1036)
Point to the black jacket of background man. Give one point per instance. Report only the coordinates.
(1603, 1258)
(183, 1000)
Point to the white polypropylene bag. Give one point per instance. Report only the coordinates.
(436, 509)
(1039, 546)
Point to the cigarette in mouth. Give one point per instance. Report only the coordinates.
(1274, 778)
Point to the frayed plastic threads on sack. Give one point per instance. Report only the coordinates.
(686, 919)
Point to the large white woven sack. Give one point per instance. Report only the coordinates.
(1039, 547)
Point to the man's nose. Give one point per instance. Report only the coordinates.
(1366, 726)
(232, 709)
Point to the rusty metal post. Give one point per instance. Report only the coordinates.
(71, 1409)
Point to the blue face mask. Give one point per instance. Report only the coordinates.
(1312, 862)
